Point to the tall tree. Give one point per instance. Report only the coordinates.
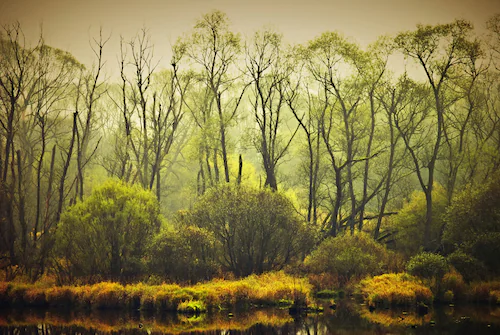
(269, 68)
(216, 49)
(438, 50)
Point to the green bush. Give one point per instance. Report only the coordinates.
(427, 265)
(468, 266)
(348, 256)
(486, 249)
(184, 254)
(409, 222)
(107, 234)
(474, 211)
(256, 230)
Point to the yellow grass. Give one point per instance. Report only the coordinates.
(485, 292)
(270, 289)
(394, 289)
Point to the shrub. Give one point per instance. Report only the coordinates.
(184, 254)
(107, 233)
(348, 256)
(453, 282)
(409, 222)
(485, 291)
(469, 267)
(427, 265)
(257, 230)
(473, 210)
(486, 249)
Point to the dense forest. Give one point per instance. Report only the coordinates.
(251, 155)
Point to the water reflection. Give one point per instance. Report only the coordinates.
(349, 318)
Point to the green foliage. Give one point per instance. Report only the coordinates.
(256, 230)
(473, 212)
(184, 254)
(107, 233)
(410, 220)
(468, 266)
(473, 230)
(348, 256)
(486, 249)
(427, 265)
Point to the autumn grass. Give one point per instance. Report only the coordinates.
(270, 289)
(486, 292)
(392, 289)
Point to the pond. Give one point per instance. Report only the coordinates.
(348, 318)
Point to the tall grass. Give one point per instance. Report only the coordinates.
(394, 289)
(488, 292)
(270, 289)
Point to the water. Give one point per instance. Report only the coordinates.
(348, 318)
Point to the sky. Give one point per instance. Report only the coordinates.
(69, 24)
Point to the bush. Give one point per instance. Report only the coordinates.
(427, 265)
(409, 222)
(256, 230)
(485, 292)
(107, 233)
(469, 267)
(474, 210)
(453, 282)
(486, 249)
(348, 256)
(184, 254)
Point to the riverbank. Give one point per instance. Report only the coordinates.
(402, 289)
(269, 289)
(266, 290)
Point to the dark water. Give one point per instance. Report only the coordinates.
(348, 318)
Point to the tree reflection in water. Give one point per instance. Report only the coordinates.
(349, 318)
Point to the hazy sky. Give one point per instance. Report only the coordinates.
(68, 24)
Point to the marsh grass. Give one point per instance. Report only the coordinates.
(486, 292)
(393, 289)
(270, 289)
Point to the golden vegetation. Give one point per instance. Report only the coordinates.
(269, 289)
(394, 289)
